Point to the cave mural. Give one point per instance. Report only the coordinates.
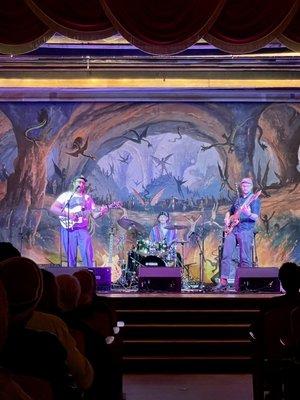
(185, 158)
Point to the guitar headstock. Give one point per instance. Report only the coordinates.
(257, 194)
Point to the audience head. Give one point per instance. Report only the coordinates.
(7, 250)
(88, 286)
(3, 315)
(68, 292)
(49, 299)
(22, 280)
(289, 276)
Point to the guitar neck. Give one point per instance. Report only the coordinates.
(248, 201)
(110, 247)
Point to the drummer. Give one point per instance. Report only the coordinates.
(161, 231)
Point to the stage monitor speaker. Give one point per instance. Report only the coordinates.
(166, 279)
(102, 274)
(103, 278)
(264, 279)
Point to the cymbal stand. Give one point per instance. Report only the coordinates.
(186, 281)
(254, 251)
(131, 276)
(200, 243)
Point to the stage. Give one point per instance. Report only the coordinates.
(190, 331)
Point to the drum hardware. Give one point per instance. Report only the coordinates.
(175, 226)
(184, 267)
(200, 242)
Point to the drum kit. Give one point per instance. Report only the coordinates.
(147, 253)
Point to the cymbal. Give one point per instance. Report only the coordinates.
(130, 225)
(172, 227)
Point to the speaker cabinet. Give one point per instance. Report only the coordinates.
(103, 278)
(257, 280)
(159, 279)
(102, 274)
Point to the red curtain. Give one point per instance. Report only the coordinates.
(162, 26)
(291, 36)
(78, 19)
(247, 25)
(20, 29)
(155, 26)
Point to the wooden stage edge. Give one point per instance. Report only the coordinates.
(117, 294)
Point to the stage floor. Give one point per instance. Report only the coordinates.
(193, 293)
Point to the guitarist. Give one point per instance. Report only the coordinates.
(239, 229)
(74, 230)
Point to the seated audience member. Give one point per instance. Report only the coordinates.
(9, 389)
(94, 312)
(273, 332)
(77, 363)
(100, 318)
(7, 250)
(49, 300)
(28, 352)
(98, 352)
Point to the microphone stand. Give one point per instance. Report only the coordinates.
(68, 223)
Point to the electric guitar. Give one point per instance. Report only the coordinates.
(112, 261)
(78, 214)
(234, 219)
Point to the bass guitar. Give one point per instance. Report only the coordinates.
(78, 214)
(234, 219)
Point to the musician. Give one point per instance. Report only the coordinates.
(74, 207)
(242, 234)
(160, 231)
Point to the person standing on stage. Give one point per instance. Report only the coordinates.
(242, 233)
(161, 230)
(74, 208)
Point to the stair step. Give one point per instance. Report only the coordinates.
(188, 358)
(150, 348)
(188, 317)
(179, 325)
(185, 341)
(189, 311)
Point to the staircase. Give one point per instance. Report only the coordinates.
(187, 333)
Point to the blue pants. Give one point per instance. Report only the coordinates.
(244, 239)
(78, 238)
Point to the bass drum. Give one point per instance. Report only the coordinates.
(153, 261)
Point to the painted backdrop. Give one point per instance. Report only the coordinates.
(185, 158)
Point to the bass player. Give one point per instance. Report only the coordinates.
(74, 208)
(239, 222)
